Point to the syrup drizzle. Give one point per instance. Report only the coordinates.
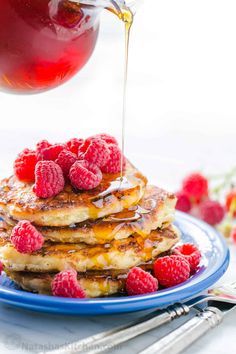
(127, 18)
(119, 184)
(132, 214)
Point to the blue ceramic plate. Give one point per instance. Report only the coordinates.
(214, 263)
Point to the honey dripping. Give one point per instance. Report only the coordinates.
(126, 16)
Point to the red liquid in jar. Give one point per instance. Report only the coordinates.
(43, 43)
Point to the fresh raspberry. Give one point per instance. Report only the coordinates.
(233, 234)
(171, 270)
(211, 211)
(95, 151)
(85, 145)
(42, 145)
(87, 142)
(65, 160)
(195, 186)
(231, 202)
(85, 175)
(1, 268)
(51, 153)
(183, 202)
(113, 165)
(49, 179)
(140, 282)
(24, 165)
(107, 138)
(26, 238)
(191, 253)
(73, 145)
(65, 284)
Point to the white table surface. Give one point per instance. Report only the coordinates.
(181, 117)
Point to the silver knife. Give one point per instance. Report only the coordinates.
(181, 338)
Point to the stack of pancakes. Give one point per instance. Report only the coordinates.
(100, 233)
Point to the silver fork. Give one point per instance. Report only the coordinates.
(109, 339)
(181, 338)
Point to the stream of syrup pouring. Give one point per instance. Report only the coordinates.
(125, 15)
(120, 183)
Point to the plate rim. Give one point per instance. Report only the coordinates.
(47, 303)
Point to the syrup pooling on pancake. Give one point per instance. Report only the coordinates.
(70, 206)
(155, 210)
(119, 184)
(119, 254)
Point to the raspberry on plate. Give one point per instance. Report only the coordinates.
(49, 179)
(1, 268)
(85, 175)
(183, 202)
(95, 151)
(65, 284)
(26, 238)
(195, 186)
(74, 144)
(51, 153)
(191, 253)
(109, 139)
(24, 165)
(211, 211)
(113, 165)
(65, 160)
(140, 282)
(231, 202)
(171, 270)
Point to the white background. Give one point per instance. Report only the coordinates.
(181, 113)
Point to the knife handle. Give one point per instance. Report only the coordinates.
(185, 335)
(109, 339)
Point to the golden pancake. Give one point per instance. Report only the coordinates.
(19, 202)
(95, 284)
(155, 210)
(119, 254)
